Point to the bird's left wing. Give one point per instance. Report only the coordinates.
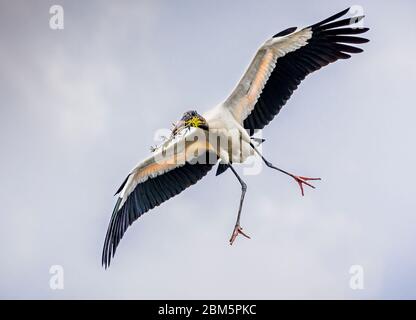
(166, 173)
(284, 61)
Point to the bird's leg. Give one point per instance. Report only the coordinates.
(237, 229)
(299, 179)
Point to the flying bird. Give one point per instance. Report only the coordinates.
(187, 155)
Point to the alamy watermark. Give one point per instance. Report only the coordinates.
(56, 281)
(56, 21)
(356, 277)
(357, 11)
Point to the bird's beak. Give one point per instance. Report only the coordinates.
(178, 127)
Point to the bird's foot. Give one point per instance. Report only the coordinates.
(303, 180)
(237, 230)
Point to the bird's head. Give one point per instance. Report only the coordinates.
(190, 119)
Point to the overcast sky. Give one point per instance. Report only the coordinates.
(80, 106)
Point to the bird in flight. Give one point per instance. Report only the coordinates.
(192, 149)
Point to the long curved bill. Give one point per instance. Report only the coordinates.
(179, 126)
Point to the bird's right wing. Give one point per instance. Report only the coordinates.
(284, 61)
(166, 173)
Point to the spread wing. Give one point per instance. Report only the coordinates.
(284, 61)
(166, 173)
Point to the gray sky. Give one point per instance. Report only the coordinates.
(80, 107)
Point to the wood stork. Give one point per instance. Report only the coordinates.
(276, 70)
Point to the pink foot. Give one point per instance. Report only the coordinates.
(303, 180)
(237, 230)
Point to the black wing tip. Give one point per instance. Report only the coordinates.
(122, 185)
(105, 261)
(362, 40)
(110, 244)
(341, 31)
(331, 18)
(285, 32)
(330, 22)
